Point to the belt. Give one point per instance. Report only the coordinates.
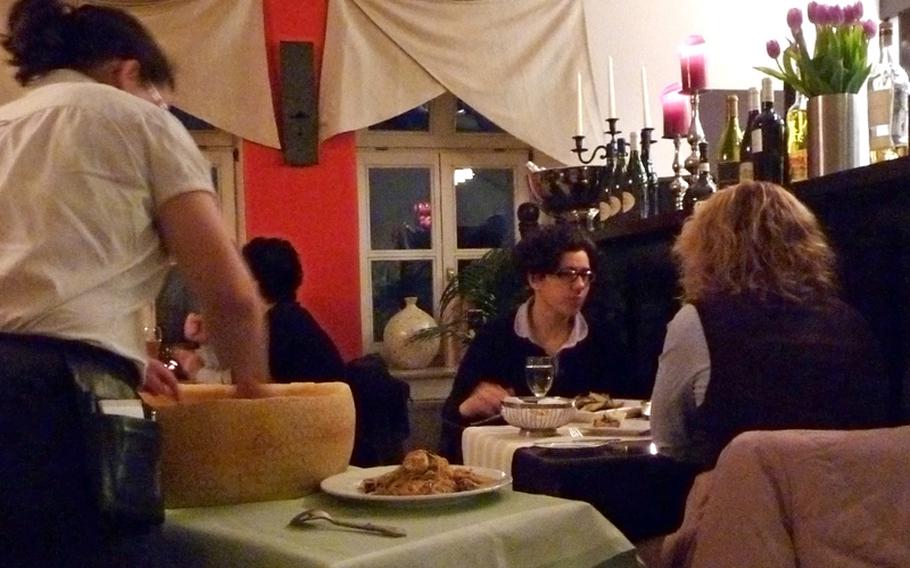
(94, 369)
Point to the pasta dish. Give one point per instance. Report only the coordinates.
(424, 473)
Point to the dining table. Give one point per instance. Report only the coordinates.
(638, 489)
(502, 528)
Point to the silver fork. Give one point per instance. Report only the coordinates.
(320, 515)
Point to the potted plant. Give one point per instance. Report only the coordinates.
(830, 76)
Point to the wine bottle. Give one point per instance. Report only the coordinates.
(650, 174)
(636, 182)
(728, 153)
(746, 172)
(888, 89)
(620, 183)
(704, 186)
(768, 135)
(609, 204)
(797, 130)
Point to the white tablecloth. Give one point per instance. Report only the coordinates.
(503, 529)
(493, 446)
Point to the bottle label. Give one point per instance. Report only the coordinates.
(756, 141)
(880, 106)
(799, 165)
(628, 201)
(727, 174)
(746, 172)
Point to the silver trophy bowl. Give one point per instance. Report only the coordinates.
(570, 193)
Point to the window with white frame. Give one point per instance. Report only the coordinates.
(438, 187)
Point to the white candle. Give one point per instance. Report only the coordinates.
(645, 107)
(580, 122)
(611, 90)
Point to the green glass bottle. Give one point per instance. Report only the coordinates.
(728, 146)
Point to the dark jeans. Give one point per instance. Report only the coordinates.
(48, 516)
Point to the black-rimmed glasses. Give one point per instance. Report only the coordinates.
(569, 275)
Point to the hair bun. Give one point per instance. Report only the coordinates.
(37, 35)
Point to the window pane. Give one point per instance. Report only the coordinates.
(469, 120)
(400, 208)
(484, 205)
(415, 120)
(395, 280)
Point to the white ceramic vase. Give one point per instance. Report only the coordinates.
(399, 351)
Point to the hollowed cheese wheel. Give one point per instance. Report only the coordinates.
(218, 449)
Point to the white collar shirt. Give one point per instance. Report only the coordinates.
(83, 168)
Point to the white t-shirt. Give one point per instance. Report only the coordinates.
(83, 168)
(683, 375)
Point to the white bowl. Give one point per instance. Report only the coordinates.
(538, 418)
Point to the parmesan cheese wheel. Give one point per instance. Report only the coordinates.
(219, 450)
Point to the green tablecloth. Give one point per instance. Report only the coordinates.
(504, 529)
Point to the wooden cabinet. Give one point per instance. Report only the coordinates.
(865, 213)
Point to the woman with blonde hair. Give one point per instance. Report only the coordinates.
(762, 341)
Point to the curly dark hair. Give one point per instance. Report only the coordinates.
(541, 251)
(44, 35)
(276, 267)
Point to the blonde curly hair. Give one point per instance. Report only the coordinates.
(755, 238)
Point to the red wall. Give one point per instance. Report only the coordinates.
(314, 207)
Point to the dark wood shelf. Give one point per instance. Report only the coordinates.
(631, 227)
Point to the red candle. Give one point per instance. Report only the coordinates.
(676, 111)
(692, 64)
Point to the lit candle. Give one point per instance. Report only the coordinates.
(645, 107)
(611, 90)
(692, 64)
(580, 122)
(676, 111)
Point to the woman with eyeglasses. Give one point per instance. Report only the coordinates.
(99, 187)
(763, 341)
(557, 262)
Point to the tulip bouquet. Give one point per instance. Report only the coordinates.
(838, 64)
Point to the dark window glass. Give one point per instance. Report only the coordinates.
(469, 120)
(415, 120)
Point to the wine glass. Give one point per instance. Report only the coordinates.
(152, 336)
(539, 373)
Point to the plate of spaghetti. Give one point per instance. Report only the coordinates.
(422, 477)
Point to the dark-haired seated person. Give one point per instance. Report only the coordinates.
(763, 341)
(556, 262)
(299, 349)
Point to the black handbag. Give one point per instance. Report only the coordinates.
(123, 452)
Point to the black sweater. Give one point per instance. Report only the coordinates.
(498, 355)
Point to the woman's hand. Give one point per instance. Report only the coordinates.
(189, 360)
(486, 400)
(159, 380)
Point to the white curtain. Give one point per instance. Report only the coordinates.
(218, 49)
(514, 61)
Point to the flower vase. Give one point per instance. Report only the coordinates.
(399, 350)
(838, 136)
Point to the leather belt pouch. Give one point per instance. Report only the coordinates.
(123, 452)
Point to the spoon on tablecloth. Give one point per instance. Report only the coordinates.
(320, 515)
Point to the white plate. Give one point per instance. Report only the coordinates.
(574, 444)
(348, 485)
(627, 404)
(629, 427)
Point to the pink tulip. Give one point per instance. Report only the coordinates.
(812, 12)
(822, 15)
(849, 16)
(836, 15)
(794, 19)
(773, 48)
(858, 10)
(869, 29)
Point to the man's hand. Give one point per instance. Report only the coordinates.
(485, 401)
(159, 380)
